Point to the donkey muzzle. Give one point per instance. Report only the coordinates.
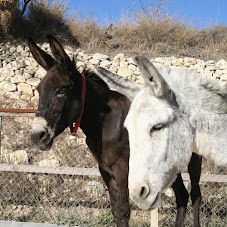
(41, 134)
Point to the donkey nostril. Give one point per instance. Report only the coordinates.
(144, 192)
(41, 135)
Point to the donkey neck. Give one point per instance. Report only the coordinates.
(95, 108)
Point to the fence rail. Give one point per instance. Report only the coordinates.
(50, 170)
(91, 172)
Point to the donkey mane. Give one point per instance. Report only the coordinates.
(95, 78)
(101, 88)
(204, 102)
(192, 89)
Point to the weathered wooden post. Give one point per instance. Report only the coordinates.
(154, 218)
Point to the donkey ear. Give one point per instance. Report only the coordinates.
(58, 51)
(119, 83)
(44, 59)
(150, 75)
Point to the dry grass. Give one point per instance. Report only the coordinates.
(148, 30)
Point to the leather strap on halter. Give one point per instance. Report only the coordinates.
(74, 127)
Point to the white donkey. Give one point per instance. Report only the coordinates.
(175, 113)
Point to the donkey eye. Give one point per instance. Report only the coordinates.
(156, 128)
(61, 92)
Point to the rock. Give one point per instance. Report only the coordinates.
(33, 81)
(13, 95)
(15, 65)
(124, 72)
(91, 67)
(18, 79)
(80, 64)
(219, 72)
(132, 67)
(45, 46)
(18, 157)
(123, 63)
(177, 62)
(24, 54)
(18, 72)
(24, 89)
(119, 56)
(133, 78)
(223, 77)
(31, 62)
(84, 57)
(222, 67)
(116, 63)
(40, 73)
(208, 73)
(27, 76)
(211, 67)
(137, 72)
(94, 62)
(100, 57)
(139, 80)
(210, 62)
(159, 60)
(7, 86)
(221, 62)
(12, 49)
(35, 98)
(167, 62)
(26, 48)
(49, 162)
(113, 69)
(118, 59)
(189, 61)
(30, 69)
(130, 61)
(69, 52)
(224, 71)
(20, 48)
(168, 192)
(105, 63)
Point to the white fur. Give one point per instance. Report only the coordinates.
(39, 125)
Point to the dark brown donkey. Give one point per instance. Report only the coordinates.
(61, 104)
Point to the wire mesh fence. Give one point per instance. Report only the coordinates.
(41, 186)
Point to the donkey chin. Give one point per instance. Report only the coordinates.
(148, 197)
(149, 203)
(42, 135)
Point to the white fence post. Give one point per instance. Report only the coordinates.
(154, 218)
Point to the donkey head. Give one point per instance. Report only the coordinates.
(59, 93)
(160, 137)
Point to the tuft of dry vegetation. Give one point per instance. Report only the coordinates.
(148, 30)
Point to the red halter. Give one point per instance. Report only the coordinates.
(74, 127)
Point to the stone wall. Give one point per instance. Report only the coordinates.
(20, 73)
